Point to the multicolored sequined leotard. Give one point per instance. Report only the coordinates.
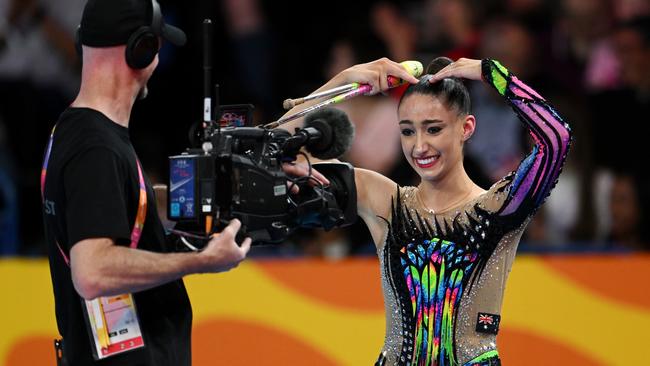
(444, 274)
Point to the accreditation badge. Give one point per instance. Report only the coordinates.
(113, 325)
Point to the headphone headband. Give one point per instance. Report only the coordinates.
(142, 44)
(156, 18)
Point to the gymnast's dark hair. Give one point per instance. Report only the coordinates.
(452, 91)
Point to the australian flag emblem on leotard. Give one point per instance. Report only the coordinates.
(487, 323)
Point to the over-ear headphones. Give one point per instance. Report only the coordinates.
(143, 44)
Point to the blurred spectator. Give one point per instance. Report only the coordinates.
(603, 67)
(398, 33)
(625, 10)
(581, 26)
(633, 49)
(536, 15)
(451, 28)
(37, 81)
(38, 37)
(602, 186)
(626, 214)
(584, 22)
(618, 146)
(252, 48)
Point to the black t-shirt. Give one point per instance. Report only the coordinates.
(91, 191)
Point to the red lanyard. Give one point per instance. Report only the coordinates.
(142, 199)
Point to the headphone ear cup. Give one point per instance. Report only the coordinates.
(141, 49)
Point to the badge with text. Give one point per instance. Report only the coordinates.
(114, 326)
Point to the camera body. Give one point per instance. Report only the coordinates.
(237, 173)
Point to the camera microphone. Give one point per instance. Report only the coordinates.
(337, 133)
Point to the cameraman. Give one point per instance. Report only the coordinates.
(104, 235)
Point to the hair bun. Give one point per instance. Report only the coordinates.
(438, 64)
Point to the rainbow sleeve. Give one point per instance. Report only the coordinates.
(539, 171)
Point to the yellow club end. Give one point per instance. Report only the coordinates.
(414, 68)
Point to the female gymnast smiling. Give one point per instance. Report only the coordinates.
(446, 246)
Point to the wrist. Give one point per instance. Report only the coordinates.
(195, 263)
(495, 74)
(344, 77)
(486, 69)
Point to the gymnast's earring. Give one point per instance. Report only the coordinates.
(469, 127)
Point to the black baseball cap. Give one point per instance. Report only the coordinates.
(107, 23)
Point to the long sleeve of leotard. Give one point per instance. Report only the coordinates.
(539, 171)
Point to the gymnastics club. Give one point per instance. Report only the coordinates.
(290, 103)
(413, 67)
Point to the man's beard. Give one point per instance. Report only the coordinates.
(143, 92)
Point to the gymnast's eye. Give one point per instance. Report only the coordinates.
(407, 132)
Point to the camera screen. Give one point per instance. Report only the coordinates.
(240, 115)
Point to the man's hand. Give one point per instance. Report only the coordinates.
(222, 253)
(302, 170)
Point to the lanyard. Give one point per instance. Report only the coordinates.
(122, 333)
(142, 199)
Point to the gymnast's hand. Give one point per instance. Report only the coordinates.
(301, 169)
(463, 68)
(376, 74)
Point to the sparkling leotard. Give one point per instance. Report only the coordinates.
(444, 274)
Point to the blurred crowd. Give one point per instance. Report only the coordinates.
(589, 58)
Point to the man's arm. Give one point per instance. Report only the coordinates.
(101, 268)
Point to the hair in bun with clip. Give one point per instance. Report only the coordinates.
(451, 91)
(438, 64)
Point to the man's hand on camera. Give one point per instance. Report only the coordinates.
(222, 253)
(302, 170)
